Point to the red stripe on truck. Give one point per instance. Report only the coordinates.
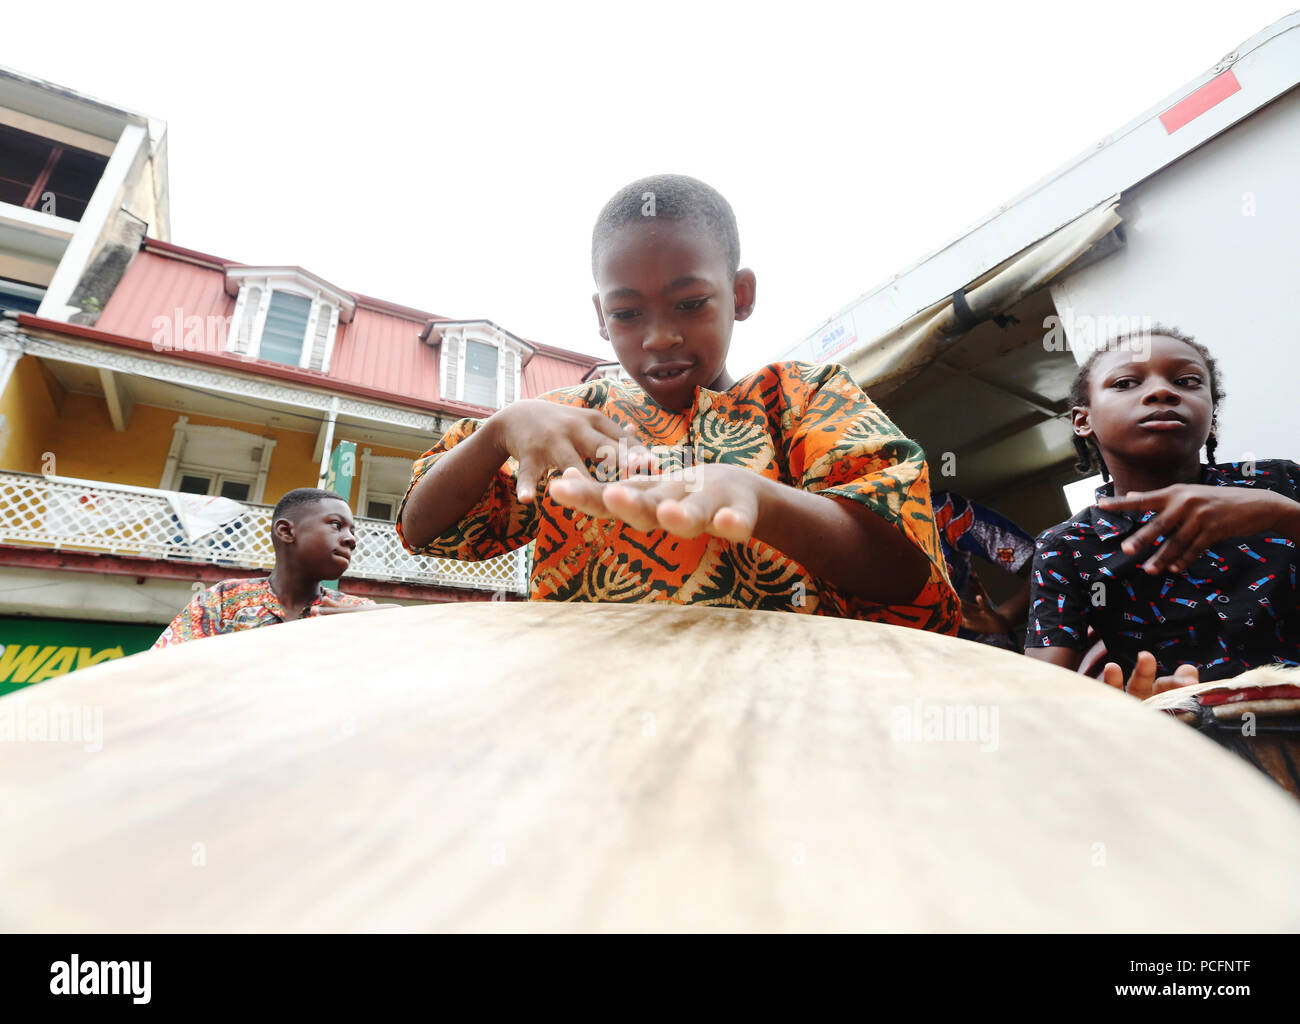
(1189, 108)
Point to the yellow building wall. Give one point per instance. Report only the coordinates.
(84, 444)
(29, 414)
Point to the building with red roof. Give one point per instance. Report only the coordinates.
(154, 414)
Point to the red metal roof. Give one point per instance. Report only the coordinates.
(380, 350)
(546, 373)
(156, 286)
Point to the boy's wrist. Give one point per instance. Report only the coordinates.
(494, 427)
(768, 497)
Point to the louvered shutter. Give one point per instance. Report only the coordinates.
(508, 385)
(242, 337)
(320, 337)
(451, 366)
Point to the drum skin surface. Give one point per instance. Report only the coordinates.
(546, 766)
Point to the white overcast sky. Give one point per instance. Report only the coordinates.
(453, 157)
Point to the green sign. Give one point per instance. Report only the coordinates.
(33, 650)
(343, 464)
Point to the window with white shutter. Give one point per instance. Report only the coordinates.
(508, 389)
(481, 374)
(285, 315)
(479, 362)
(451, 367)
(285, 328)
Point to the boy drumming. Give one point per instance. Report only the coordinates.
(789, 490)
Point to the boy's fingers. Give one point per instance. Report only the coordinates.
(577, 490)
(635, 505)
(733, 524)
(526, 479)
(611, 429)
(1139, 501)
(1184, 675)
(687, 518)
(1144, 675)
(1173, 549)
(1113, 675)
(600, 447)
(1143, 537)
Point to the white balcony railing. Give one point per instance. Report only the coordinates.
(89, 515)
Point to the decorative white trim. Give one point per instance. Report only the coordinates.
(292, 279)
(230, 384)
(369, 459)
(331, 336)
(183, 430)
(309, 336)
(485, 333)
(326, 301)
(364, 480)
(10, 353)
(173, 454)
(460, 366)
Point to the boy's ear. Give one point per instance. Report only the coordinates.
(1079, 420)
(745, 288)
(282, 530)
(600, 316)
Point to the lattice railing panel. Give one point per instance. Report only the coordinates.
(89, 515)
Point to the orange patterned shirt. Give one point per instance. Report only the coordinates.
(806, 425)
(234, 605)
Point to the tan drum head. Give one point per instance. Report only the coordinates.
(546, 766)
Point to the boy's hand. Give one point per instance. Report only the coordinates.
(1191, 517)
(712, 498)
(979, 616)
(543, 436)
(331, 605)
(1143, 683)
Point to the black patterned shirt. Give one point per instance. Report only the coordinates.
(1236, 607)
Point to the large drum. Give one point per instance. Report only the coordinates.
(603, 767)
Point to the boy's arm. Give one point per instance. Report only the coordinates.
(840, 541)
(540, 435)
(1065, 657)
(452, 486)
(836, 539)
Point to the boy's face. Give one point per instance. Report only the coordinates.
(1152, 410)
(322, 538)
(667, 303)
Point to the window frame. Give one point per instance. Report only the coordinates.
(308, 329)
(217, 478)
(485, 334)
(328, 303)
(255, 474)
(394, 501)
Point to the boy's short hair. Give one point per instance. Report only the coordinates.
(293, 504)
(671, 197)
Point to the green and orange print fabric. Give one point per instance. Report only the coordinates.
(809, 426)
